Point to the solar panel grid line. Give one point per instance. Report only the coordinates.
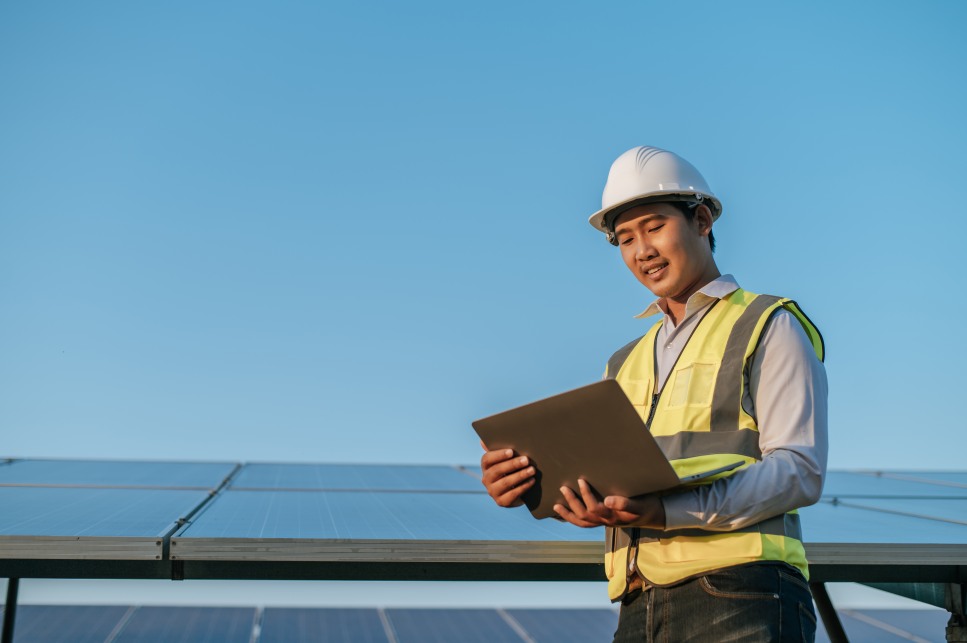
(859, 484)
(113, 634)
(445, 626)
(827, 522)
(909, 514)
(85, 524)
(470, 472)
(552, 625)
(188, 625)
(886, 627)
(514, 625)
(66, 623)
(211, 496)
(387, 626)
(117, 473)
(371, 516)
(354, 476)
(919, 477)
(102, 486)
(257, 625)
(359, 489)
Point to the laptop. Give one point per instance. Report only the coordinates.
(592, 432)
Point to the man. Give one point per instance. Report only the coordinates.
(724, 375)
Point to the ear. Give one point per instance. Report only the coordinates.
(703, 219)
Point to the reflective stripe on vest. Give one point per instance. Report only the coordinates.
(700, 424)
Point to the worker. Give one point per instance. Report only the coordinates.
(724, 375)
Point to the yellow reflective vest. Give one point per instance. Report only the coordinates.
(699, 422)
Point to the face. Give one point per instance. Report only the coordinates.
(667, 253)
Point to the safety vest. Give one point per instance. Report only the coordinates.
(698, 421)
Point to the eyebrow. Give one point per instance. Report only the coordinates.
(648, 218)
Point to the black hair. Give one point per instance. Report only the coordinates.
(688, 208)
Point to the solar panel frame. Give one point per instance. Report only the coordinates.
(446, 626)
(404, 527)
(853, 484)
(88, 524)
(461, 534)
(188, 625)
(326, 625)
(355, 477)
(554, 625)
(129, 474)
(68, 623)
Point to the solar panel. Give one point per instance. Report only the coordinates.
(278, 525)
(355, 477)
(295, 625)
(59, 522)
(114, 473)
(873, 626)
(852, 484)
(958, 478)
(95, 624)
(447, 626)
(927, 624)
(350, 514)
(829, 523)
(188, 625)
(945, 509)
(555, 625)
(67, 623)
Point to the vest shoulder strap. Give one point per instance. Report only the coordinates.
(618, 359)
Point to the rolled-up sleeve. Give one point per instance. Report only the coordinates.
(787, 394)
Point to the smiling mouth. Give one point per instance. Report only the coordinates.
(652, 271)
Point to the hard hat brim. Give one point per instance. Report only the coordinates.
(600, 218)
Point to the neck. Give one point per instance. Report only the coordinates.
(675, 306)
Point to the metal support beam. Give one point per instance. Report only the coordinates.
(956, 599)
(834, 629)
(10, 610)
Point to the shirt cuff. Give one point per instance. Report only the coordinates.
(681, 511)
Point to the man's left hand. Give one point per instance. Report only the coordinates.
(587, 509)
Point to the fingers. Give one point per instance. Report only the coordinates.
(643, 511)
(506, 477)
(575, 510)
(490, 458)
(625, 511)
(588, 510)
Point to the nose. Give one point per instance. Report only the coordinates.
(643, 250)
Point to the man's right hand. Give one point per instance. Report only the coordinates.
(506, 475)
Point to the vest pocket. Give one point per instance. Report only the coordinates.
(638, 391)
(725, 546)
(692, 385)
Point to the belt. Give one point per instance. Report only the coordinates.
(635, 586)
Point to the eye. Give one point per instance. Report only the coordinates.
(656, 228)
(625, 241)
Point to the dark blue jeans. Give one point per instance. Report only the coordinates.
(758, 603)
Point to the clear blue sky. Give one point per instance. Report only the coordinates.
(307, 231)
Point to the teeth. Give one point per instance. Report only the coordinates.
(654, 270)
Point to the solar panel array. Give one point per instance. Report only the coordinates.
(206, 513)
(106, 510)
(119, 624)
(219, 511)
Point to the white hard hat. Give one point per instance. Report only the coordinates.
(647, 175)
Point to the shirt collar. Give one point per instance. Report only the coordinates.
(719, 288)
